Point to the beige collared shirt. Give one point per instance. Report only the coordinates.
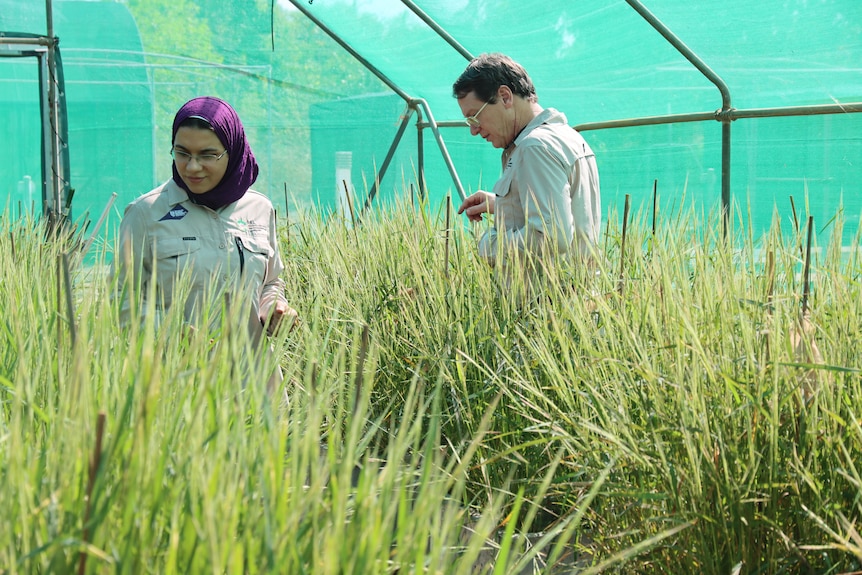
(548, 197)
(213, 260)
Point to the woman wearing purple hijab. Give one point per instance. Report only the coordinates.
(205, 236)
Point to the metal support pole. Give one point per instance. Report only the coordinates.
(723, 115)
(47, 134)
(734, 114)
(54, 203)
(420, 155)
(437, 28)
(443, 151)
(725, 175)
(380, 75)
(379, 176)
(24, 41)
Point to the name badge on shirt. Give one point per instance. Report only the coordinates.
(176, 213)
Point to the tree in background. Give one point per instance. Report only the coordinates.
(271, 64)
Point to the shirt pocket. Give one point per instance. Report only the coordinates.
(174, 258)
(505, 204)
(174, 252)
(254, 254)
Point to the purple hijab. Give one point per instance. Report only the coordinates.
(241, 168)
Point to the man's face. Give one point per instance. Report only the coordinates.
(493, 125)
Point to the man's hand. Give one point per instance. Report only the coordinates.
(281, 313)
(477, 204)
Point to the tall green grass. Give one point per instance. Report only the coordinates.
(652, 423)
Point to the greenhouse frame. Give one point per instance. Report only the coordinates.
(699, 68)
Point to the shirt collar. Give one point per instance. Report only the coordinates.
(546, 116)
(175, 194)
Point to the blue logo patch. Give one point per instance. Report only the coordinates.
(176, 213)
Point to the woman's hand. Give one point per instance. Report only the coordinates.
(281, 313)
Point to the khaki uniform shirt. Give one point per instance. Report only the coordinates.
(204, 260)
(547, 199)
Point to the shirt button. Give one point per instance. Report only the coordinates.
(221, 246)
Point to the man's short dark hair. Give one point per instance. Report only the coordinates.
(486, 73)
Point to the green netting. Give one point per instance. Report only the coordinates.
(308, 104)
(109, 101)
(20, 172)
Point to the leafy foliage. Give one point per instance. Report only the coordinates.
(652, 417)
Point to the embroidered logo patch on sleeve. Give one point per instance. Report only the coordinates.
(176, 213)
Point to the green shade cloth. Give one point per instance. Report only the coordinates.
(593, 60)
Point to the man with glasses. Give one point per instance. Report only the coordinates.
(547, 201)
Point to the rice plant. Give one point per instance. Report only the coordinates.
(689, 404)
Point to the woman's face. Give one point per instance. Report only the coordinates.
(201, 173)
